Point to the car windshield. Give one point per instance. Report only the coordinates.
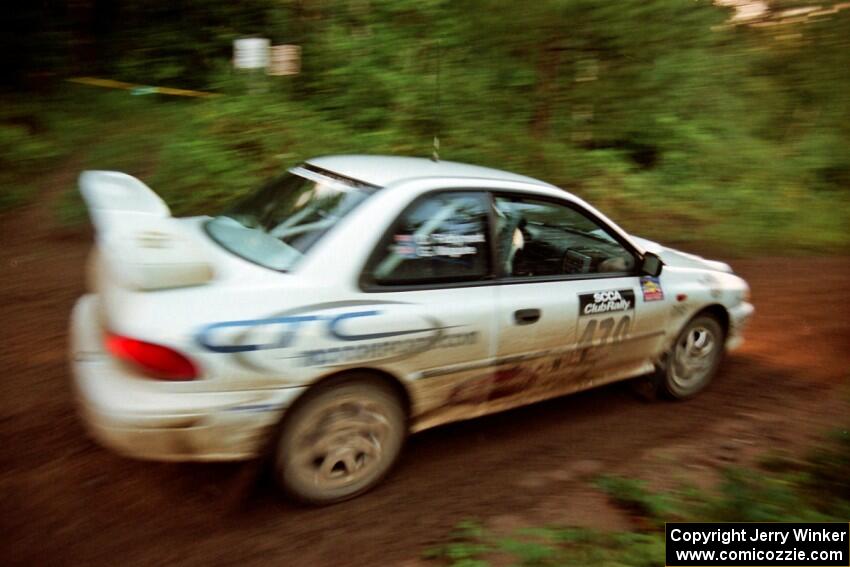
(279, 223)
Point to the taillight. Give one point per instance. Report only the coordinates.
(157, 360)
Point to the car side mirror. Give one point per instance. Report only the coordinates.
(651, 265)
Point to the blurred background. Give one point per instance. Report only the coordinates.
(722, 127)
(723, 122)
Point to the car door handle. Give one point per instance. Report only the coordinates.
(526, 316)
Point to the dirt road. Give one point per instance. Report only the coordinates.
(64, 500)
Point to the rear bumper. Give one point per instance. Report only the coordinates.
(739, 317)
(149, 419)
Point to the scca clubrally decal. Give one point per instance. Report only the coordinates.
(602, 302)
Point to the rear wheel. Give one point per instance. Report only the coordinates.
(695, 357)
(340, 440)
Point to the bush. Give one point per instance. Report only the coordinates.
(24, 154)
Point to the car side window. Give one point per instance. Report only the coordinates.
(537, 238)
(440, 238)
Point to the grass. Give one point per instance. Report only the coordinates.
(473, 546)
(784, 489)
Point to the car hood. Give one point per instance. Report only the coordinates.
(679, 259)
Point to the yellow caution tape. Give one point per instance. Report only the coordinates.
(142, 89)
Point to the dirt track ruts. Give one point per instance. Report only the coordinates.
(64, 500)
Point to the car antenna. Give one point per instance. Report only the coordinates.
(435, 153)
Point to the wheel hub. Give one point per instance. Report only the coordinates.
(693, 356)
(342, 444)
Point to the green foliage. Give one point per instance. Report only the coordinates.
(466, 544)
(633, 496)
(551, 546)
(682, 128)
(27, 150)
(828, 479)
(21, 155)
(749, 496)
(816, 489)
(527, 552)
(812, 490)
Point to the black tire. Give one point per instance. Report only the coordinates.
(339, 440)
(694, 358)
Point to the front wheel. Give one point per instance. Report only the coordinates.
(339, 441)
(695, 357)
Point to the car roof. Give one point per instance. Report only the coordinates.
(382, 170)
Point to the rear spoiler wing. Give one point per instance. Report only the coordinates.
(140, 245)
(111, 196)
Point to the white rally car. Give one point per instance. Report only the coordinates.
(356, 299)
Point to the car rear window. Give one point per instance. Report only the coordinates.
(277, 225)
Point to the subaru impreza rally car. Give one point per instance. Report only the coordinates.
(356, 299)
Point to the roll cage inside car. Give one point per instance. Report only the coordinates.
(496, 273)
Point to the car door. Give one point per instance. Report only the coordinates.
(570, 307)
(436, 263)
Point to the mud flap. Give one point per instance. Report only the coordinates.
(648, 386)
